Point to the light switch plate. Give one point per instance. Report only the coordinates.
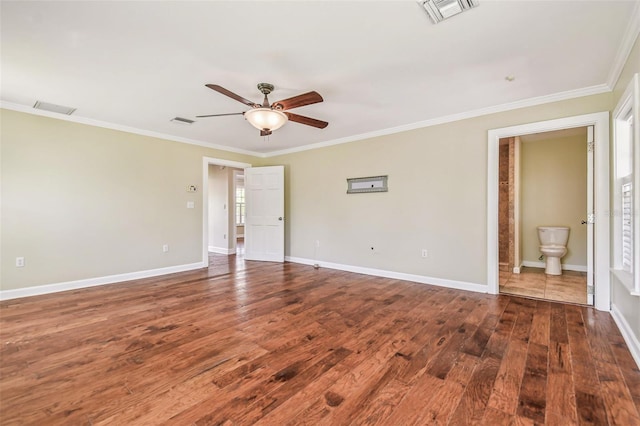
(190, 204)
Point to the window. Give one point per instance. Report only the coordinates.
(240, 204)
(626, 193)
(627, 228)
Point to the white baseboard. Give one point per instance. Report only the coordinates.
(240, 236)
(517, 269)
(627, 332)
(92, 282)
(220, 250)
(565, 267)
(459, 285)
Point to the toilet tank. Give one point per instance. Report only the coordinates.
(553, 235)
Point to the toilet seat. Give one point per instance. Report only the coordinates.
(554, 250)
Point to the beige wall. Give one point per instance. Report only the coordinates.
(554, 192)
(627, 305)
(436, 200)
(82, 202)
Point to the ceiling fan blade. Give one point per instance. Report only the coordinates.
(265, 132)
(307, 120)
(219, 115)
(230, 94)
(298, 101)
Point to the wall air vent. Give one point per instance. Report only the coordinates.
(181, 120)
(53, 108)
(439, 10)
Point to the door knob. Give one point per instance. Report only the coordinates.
(280, 218)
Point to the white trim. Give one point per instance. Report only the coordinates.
(627, 333)
(626, 279)
(92, 282)
(555, 97)
(565, 267)
(206, 161)
(600, 121)
(112, 126)
(625, 47)
(517, 269)
(220, 250)
(561, 96)
(458, 285)
(629, 102)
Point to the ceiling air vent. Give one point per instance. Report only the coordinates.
(181, 120)
(439, 10)
(54, 108)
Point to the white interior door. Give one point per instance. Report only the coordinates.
(590, 214)
(264, 221)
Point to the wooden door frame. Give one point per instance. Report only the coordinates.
(601, 243)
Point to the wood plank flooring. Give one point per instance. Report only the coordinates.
(285, 344)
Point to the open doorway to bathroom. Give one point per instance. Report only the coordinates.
(543, 181)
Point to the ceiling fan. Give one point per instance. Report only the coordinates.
(269, 117)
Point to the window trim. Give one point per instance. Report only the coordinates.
(628, 106)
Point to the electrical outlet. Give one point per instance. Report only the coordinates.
(165, 248)
(19, 262)
(425, 253)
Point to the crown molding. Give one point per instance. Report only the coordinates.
(624, 50)
(555, 97)
(112, 126)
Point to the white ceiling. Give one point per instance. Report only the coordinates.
(378, 64)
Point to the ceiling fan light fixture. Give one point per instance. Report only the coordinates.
(266, 118)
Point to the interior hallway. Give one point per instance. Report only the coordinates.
(221, 264)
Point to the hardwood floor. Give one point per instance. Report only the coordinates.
(570, 287)
(285, 344)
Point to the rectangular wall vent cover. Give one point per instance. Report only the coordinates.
(60, 109)
(439, 10)
(181, 120)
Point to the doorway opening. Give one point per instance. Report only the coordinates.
(598, 218)
(240, 211)
(220, 250)
(543, 182)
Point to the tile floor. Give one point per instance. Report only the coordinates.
(570, 287)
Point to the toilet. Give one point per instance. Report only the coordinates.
(553, 245)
